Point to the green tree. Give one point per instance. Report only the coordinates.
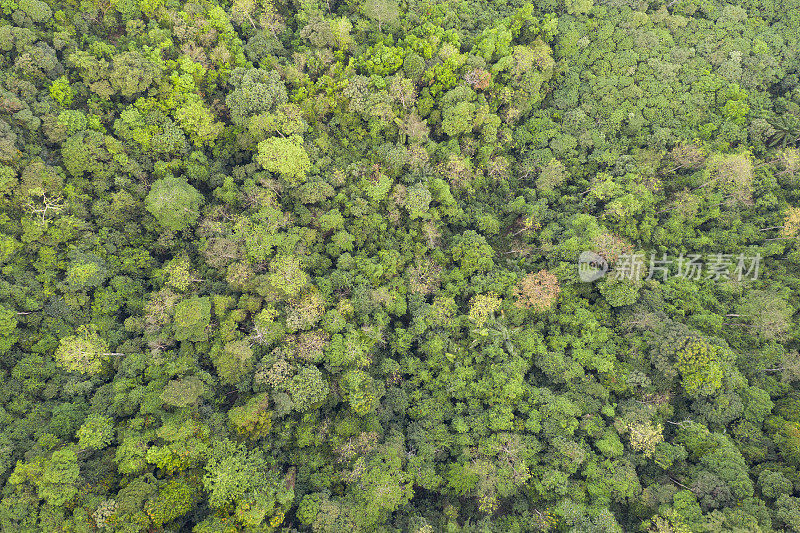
(183, 392)
(132, 73)
(253, 419)
(383, 11)
(287, 276)
(8, 325)
(769, 313)
(472, 252)
(417, 201)
(308, 388)
(234, 361)
(96, 433)
(192, 318)
(174, 499)
(243, 478)
(701, 366)
(255, 92)
(56, 478)
(198, 121)
(59, 479)
(773, 484)
(361, 391)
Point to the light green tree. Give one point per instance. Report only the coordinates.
(84, 352)
(174, 203)
(287, 276)
(285, 157)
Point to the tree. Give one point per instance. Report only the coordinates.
(482, 307)
(197, 121)
(610, 445)
(773, 484)
(8, 325)
(86, 152)
(255, 91)
(285, 157)
(701, 367)
(183, 392)
(786, 131)
(38, 11)
(266, 329)
(56, 478)
(472, 252)
(645, 437)
(537, 291)
(384, 11)
(307, 388)
(620, 292)
(233, 361)
(578, 6)
(96, 433)
(724, 477)
(791, 223)
(243, 478)
(459, 119)
(305, 312)
(361, 391)
(287, 276)
(686, 156)
(417, 201)
(733, 176)
(131, 453)
(174, 203)
(788, 510)
(179, 272)
(552, 176)
(789, 366)
(768, 312)
(192, 317)
(132, 73)
(174, 499)
(385, 485)
(85, 275)
(58, 483)
(104, 512)
(253, 419)
(85, 352)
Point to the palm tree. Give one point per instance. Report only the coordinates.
(787, 130)
(498, 334)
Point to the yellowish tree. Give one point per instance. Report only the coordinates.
(733, 176)
(644, 437)
(791, 223)
(482, 306)
(610, 246)
(537, 291)
(701, 368)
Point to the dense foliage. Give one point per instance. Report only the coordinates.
(311, 265)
